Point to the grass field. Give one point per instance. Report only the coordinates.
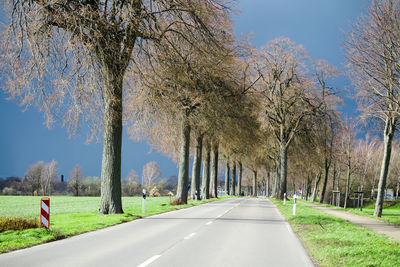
(73, 215)
(335, 242)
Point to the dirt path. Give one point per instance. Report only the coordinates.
(390, 230)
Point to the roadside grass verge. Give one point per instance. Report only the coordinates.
(335, 242)
(390, 212)
(74, 215)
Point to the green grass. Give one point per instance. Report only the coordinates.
(73, 215)
(335, 242)
(390, 213)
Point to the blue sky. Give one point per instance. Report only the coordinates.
(316, 24)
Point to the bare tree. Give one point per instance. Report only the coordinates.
(70, 57)
(285, 92)
(150, 173)
(373, 51)
(75, 183)
(33, 177)
(49, 177)
(347, 140)
(132, 186)
(132, 177)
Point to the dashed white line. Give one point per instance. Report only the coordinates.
(189, 236)
(147, 262)
(209, 223)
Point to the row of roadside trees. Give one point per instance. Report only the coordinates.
(173, 71)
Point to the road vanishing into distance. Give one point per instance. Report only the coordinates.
(230, 232)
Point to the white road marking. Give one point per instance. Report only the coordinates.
(289, 228)
(209, 223)
(147, 262)
(190, 236)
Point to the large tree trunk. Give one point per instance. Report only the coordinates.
(233, 180)
(227, 173)
(183, 176)
(315, 191)
(389, 131)
(111, 202)
(283, 170)
(255, 183)
(240, 179)
(206, 172)
(268, 183)
(195, 185)
(214, 172)
(327, 166)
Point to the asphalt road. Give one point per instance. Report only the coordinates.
(231, 232)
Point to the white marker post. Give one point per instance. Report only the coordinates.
(144, 201)
(294, 205)
(284, 198)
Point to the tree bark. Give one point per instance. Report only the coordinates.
(195, 184)
(111, 202)
(275, 189)
(347, 186)
(214, 172)
(389, 132)
(240, 179)
(227, 173)
(315, 191)
(283, 170)
(326, 174)
(183, 176)
(206, 172)
(233, 180)
(255, 183)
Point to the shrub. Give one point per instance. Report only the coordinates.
(154, 192)
(17, 223)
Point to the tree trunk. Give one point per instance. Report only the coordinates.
(233, 180)
(308, 187)
(327, 166)
(111, 202)
(275, 189)
(333, 183)
(206, 172)
(389, 131)
(183, 176)
(240, 179)
(315, 191)
(268, 183)
(255, 183)
(283, 170)
(214, 171)
(347, 187)
(397, 188)
(195, 185)
(227, 173)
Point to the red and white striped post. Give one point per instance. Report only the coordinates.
(45, 212)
